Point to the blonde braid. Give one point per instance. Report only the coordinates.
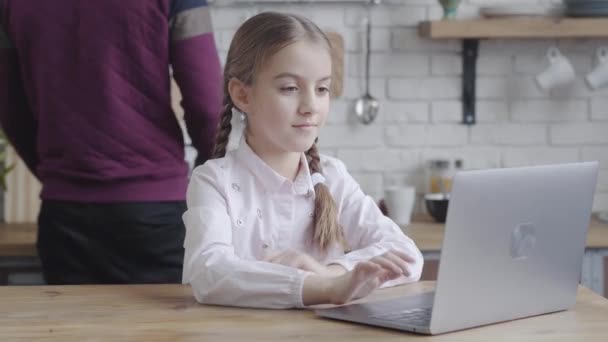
(327, 230)
(225, 127)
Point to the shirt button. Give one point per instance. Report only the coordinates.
(239, 222)
(311, 214)
(265, 246)
(236, 187)
(260, 213)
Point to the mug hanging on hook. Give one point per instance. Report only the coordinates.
(598, 77)
(559, 72)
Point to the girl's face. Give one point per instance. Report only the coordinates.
(289, 98)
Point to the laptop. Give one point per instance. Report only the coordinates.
(513, 247)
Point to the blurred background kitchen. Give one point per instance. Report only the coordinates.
(417, 82)
(418, 85)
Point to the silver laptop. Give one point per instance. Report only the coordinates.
(513, 248)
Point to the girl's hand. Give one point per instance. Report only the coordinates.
(395, 262)
(358, 283)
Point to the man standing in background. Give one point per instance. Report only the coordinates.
(85, 100)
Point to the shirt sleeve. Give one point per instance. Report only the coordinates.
(16, 118)
(197, 72)
(217, 275)
(367, 231)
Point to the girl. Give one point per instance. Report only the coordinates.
(273, 224)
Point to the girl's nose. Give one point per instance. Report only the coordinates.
(308, 103)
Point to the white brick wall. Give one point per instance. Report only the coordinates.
(494, 65)
(446, 111)
(579, 133)
(596, 153)
(599, 109)
(380, 159)
(509, 134)
(426, 135)
(426, 88)
(351, 136)
(492, 111)
(418, 82)
(550, 110)
(602, 181)
(410, 112)
(513, 157)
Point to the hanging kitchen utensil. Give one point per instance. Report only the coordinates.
(367, 106)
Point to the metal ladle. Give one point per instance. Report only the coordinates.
(367, 106)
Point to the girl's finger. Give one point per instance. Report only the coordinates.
(387, 264)
(403, 265)
(387, 275)
(404, 256)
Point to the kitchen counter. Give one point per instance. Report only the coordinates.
(20, 239)
(428, 234)
(170, 313)
(18, 252)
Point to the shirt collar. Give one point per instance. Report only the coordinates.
(269, 178)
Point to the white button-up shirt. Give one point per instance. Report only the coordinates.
(240, 209)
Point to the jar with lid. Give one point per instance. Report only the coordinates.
(439, 178)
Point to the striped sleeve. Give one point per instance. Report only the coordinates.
(189, 18)
(197, 71)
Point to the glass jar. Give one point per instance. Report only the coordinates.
(439, 178)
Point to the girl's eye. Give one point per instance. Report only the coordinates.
(289, 89)
(323, 90)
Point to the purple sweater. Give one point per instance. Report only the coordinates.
(85, 94)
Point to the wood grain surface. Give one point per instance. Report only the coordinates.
(170, 313)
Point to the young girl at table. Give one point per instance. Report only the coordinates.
(271, 223)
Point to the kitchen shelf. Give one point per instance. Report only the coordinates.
(518, 28)
(471, 31)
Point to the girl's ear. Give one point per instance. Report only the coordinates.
(239, 93)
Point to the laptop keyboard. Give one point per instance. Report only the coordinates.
(412, 316)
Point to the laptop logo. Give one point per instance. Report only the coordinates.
(523, 241)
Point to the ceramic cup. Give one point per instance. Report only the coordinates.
(559, 72)
(399, 201)
(598, 77)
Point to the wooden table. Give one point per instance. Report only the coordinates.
(170, 313)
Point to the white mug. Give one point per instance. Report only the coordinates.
(598, 77)
(399, 201)
(559, 71)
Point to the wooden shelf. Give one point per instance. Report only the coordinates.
(471, 31)
(520, 27)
